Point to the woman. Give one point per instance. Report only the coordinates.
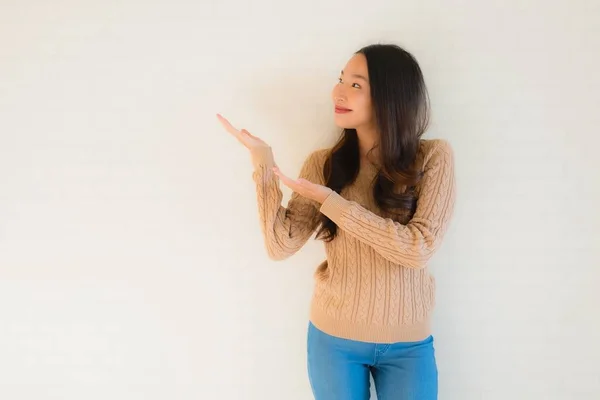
(381, 200)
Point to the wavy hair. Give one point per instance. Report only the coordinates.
(401, 110)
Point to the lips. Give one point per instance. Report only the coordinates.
(341, 110)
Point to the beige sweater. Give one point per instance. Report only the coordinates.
(374, 285)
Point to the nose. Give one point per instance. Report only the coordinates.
(339, 96)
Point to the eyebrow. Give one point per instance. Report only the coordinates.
(356, 76)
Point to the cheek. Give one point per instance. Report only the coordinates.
(363, 107)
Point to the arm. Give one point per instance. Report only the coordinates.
(413, 244)
(285, 229)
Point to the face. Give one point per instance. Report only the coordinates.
(352, 95)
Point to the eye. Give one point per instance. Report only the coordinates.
(354, 85)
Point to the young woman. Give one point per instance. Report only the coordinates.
(381, 200)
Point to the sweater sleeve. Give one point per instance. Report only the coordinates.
(413, 244)
(285, 229)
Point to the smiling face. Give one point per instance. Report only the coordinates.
(352, 96)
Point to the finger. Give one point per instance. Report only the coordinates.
(224, 121)
(291, 183)
(227, 125)
(306, 184)
(249, 135)
(240, 135)
(245, 132)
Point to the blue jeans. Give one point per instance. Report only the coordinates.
(339, 369)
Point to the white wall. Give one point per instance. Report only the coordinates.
(131, 262)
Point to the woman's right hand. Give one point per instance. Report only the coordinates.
(243, 136)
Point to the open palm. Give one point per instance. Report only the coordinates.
(250, 141)
(304, 187)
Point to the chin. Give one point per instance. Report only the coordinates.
(342, 123)
(343, 126)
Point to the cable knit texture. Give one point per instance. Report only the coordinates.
(374, 285)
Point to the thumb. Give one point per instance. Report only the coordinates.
(248, 133)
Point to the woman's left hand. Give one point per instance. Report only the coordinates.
(304, 187)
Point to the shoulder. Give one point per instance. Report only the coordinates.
(313, 164)
(319, 154)
(316, 158)
(433, 151)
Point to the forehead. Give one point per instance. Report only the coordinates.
(357, 64)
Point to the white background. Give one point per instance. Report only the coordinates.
(131, 261)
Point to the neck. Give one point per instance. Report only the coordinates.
(367, 139)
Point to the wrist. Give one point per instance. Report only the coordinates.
(326, 193)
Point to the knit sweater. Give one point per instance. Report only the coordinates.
(374, 285)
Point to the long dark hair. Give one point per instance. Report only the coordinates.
(401, 109)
